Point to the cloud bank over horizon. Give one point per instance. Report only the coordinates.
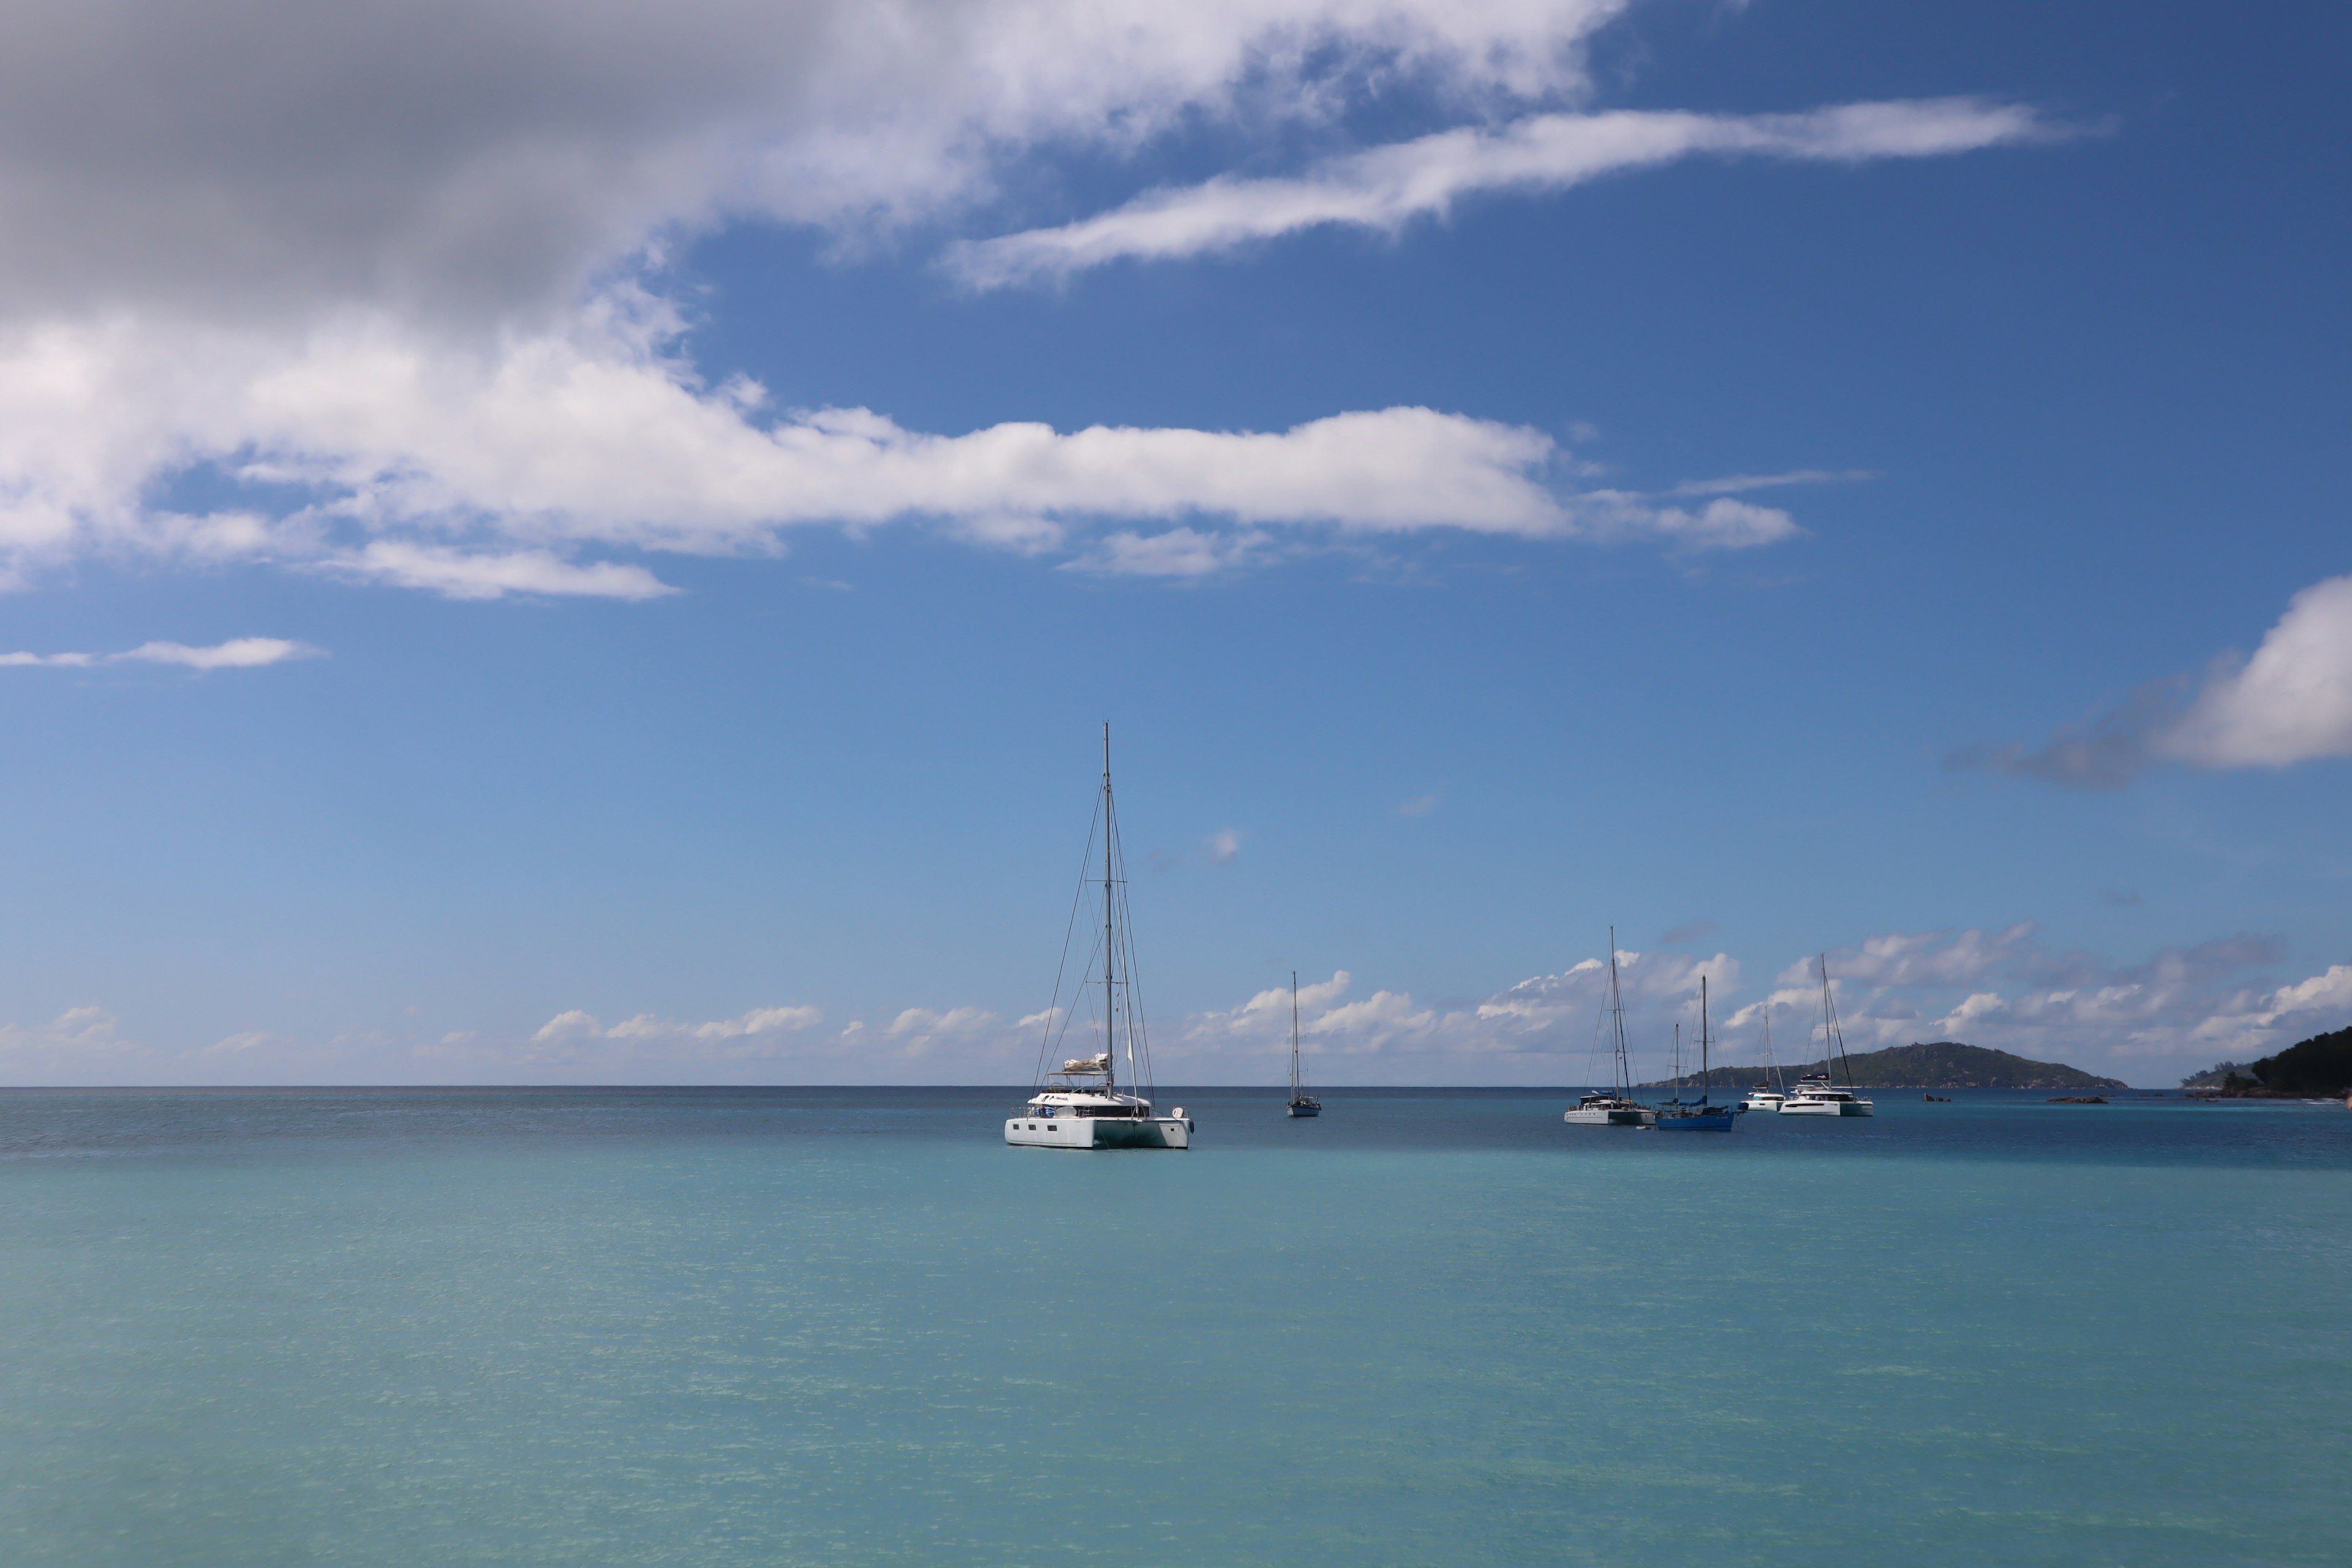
(393, 280)
(2151, 1021)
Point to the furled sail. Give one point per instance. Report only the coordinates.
(1088, 1064)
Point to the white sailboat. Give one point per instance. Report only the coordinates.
(1772, 1093)
(1080, 1104)
(1614, 1107)
(1819, 1094)
(1301, 1102)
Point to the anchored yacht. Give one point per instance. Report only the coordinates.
(1819, 1094)
(1614, 1107)
(1769, 1095)
(1080, 1105)
(1301, 1102)
(1700, 1115)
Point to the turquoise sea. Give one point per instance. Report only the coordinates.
(820, 1326)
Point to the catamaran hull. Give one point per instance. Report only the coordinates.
(1579, 1117)
(1806, 1108)
(1100, 1132)
(1708, 1122)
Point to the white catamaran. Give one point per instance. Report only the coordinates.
(1819, 1093)
(1080, 1105)
(1614, 1107)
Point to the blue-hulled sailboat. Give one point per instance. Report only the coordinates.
(1700, 1115)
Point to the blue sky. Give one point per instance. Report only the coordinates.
(633, 705)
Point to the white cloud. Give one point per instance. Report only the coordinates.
(1176, 552)
(2290, 702)
(1737, 484)
(237, 653)
(395, 270)
(1386, 187)
(1419, 805)
(80, 1045)
(458, 574)
(1221, 846)
(578, 1038)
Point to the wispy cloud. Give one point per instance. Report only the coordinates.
(1735, 484)
(237, 653)
(578, 1036)
(1222, 847)
(1386, 187)
(461, 574)
(2290, 702)
(1419, 805)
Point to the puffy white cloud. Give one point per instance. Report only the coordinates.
(237, 653)
(476, 477)
(1386, 187)
(393, 269)
(2290, 702)
(1221, 846)
(464, 161)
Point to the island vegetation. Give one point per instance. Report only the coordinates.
(2318, 1066)
(1944, 1064)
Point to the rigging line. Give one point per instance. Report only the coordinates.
(1053, 1008)
(1138, 1031)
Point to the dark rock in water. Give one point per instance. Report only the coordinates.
(2079, 1100)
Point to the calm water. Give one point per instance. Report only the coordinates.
(713, 1328)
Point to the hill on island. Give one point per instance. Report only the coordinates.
(1945, 1064)
(2320, 1065)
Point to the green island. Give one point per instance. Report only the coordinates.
(1945, 1064)
(2318, 1066)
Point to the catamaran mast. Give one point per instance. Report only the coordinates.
(1110, 944)
(1617, 1012)
(1832, 1040)
(1293, 1035)
(1702, 1039)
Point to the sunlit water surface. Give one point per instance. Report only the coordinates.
(722, 1327)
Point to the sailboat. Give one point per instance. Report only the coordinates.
(1772, 1092)
(1301, 1102)
(1698, 1115)
(1080, 1104)
(1818, 1093)
(1612, 1107)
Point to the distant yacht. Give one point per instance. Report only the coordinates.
(1769, 1095)
(1081, 1105)
(1301, 1102)
(1698, 1115)
(1817, 1094)
(1615, 1107)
